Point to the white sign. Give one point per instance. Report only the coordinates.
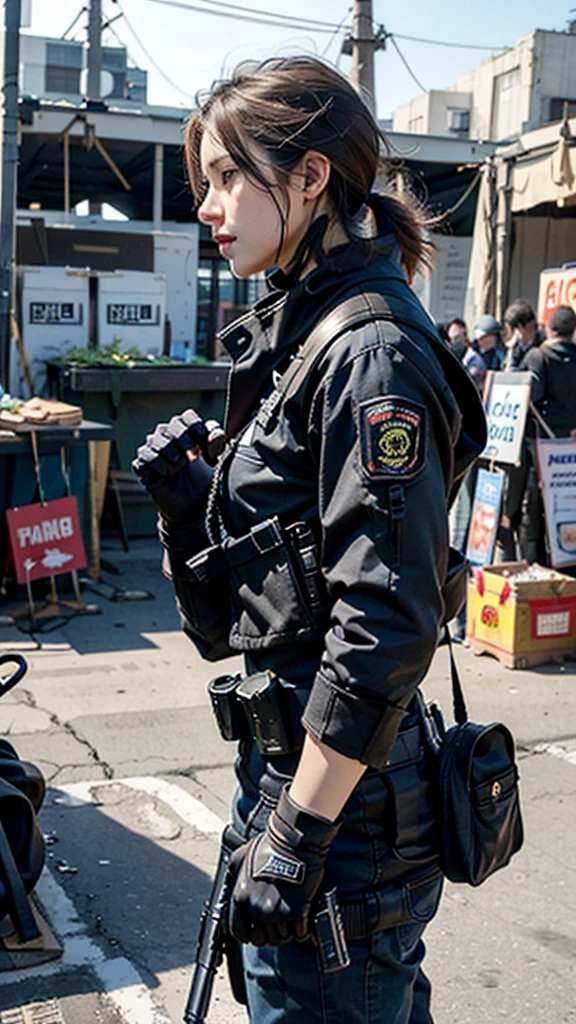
(557, 472)
(506, 400)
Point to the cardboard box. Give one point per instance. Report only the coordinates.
(522, 623)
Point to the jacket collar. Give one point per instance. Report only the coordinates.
(261, 341)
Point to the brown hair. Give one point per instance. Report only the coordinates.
(288, 106)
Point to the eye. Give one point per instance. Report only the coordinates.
(228, 175)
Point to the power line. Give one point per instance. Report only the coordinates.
(160, 71)
(268, 14)
(443, 42)
(296, 23)
(406, 64)
(335, 33)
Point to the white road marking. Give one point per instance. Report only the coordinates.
(119, 978)
(120, 981)
(562, 753)
(186, 806)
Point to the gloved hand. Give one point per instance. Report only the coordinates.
(279, 874)
(175, 464)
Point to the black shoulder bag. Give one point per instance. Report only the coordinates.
(480, 819)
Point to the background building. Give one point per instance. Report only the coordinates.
(514, 92)
(55, 69)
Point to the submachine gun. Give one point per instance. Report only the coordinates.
(215, 940)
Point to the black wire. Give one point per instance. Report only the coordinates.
(183, 92)
(443, 42)
(406, 64)
(335, 33)
(295, 23)
(268, 14)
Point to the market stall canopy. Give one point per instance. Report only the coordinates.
(546, 174)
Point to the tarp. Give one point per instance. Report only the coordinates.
(482, 269)
(545, 178)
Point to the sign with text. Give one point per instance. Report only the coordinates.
(506, 400)
(46, 540)
(485, 517)
(557, 288)
(557, 472)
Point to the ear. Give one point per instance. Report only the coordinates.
(313, 174)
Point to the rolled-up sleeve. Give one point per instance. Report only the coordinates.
(378, 428)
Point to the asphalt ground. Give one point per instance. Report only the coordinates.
(115, 713)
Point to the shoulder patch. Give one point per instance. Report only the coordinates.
(393, 437)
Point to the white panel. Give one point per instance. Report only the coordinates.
(176, 257)
(444, 294)
(132, 308)
(54, 316)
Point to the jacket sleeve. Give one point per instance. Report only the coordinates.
(378, 430)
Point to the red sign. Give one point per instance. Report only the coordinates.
(557, 288)
(46, 539)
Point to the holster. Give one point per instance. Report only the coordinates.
(257, 707)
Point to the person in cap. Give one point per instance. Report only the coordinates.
(487, 342)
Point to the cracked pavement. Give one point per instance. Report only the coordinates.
(122, 696)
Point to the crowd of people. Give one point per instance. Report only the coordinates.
(549, 355)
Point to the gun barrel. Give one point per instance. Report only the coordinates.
(210, 947)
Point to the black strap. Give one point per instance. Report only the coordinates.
(19, 907)
(460, 709)
(213, 561)
(365, 307)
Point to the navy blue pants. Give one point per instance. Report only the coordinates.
(384, 983)
(387, 844)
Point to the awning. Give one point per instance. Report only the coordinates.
(545, 177)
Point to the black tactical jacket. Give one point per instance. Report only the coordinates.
(553, 368)
(356, 470)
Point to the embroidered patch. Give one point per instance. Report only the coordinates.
(284, 868)
(393, 436)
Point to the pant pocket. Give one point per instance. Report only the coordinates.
(421, 901)
(413, 810)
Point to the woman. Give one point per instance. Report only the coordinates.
(320, 546)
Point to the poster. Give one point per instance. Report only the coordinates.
(557, 473)
(485, 517)
(506, 401)
(46, 540)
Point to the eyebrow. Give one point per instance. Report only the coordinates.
(217, 160)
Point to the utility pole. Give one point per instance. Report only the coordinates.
(362, 45)
(9, 162)
(94, 50)
(94, 84)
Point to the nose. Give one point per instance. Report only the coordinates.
(210, 211)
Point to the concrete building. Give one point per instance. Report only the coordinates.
(55, 69)
(511, 93)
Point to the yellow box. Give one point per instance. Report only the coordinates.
(522, 622)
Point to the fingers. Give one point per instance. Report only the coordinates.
(255, 918)
(165, 451)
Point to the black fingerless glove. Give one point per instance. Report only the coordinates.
(175, 465)
(279, 874)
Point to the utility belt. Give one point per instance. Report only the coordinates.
(392, 906)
